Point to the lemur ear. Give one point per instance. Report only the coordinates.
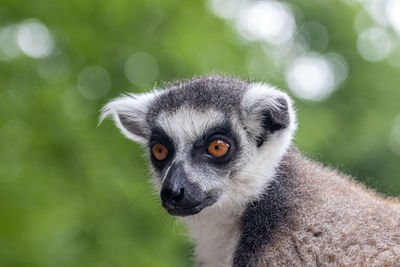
(129, 114)
(266, 111)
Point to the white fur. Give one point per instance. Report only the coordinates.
(261, 95)
(188, 124)
(216, 229)
(216, 233)
(131, 105)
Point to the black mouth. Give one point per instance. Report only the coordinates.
(177, 211)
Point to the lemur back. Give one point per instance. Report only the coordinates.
(312, 215)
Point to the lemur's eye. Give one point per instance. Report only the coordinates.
(160, 152)
(218, 148)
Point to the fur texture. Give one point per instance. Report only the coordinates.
(272, 206)
(314, 216)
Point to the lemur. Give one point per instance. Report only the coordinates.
(222, 158)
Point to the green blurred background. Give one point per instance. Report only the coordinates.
(74, 194)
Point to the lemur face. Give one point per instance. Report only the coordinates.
(204, 136)
(193, 153)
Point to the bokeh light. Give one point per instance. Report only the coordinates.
(362, 21)
(374, 44)
(94, 82)
(292, 50)
(8, 42)
(376, 10)
(315, 34)
(340, 67)
(34, 39)
(227, 9)
(311, 77)
(269, 21)
(394, 57)
(141, 69)
(393, 14)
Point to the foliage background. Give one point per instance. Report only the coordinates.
(74, 194)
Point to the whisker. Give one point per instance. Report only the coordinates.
(131, 204)
(250, 172)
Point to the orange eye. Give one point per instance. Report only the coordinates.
(218, 148)
(160, 152)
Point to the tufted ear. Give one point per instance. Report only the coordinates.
(129, 114)
(267, 111)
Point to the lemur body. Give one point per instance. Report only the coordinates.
(222, 159)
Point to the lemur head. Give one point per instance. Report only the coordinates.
(213, 141)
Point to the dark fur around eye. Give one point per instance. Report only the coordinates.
(222, 132)
(158, 136)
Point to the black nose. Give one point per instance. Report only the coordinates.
(178, 192)
(173, 195)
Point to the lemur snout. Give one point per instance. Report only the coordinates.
(180, 196)
(173, 197)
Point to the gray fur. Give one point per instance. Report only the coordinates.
(265, 216)
(219, 92)
(266, 204)
(320, 218)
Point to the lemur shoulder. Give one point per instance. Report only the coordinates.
(222, 158)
